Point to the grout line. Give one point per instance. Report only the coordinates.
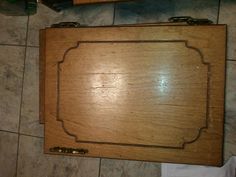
(33, 46)
(114, 14)
(14, 45)
(218, 12)
(19, 45)
(99, 170)
(230, 59)
(35, 136)
(22, 88)
(23, 134)
(7, 131)
(17, 155)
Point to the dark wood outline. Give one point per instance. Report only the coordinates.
(137, 145)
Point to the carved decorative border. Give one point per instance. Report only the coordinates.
(200, 130)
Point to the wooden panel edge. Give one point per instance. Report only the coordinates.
(225, 32)
(41, 75)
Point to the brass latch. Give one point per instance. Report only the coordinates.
(68, 150)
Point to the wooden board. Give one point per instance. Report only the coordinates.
(78, 2)
(151, 93)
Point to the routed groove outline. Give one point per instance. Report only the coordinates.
(137, 145)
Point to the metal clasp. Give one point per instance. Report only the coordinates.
(68, 150)
(191, 21)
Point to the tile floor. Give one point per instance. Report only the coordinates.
(21, 136)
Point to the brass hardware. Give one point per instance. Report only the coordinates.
(187, 19)
(191, 21)
(66, 25)
(68, 150)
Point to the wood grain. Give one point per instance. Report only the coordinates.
(108, 118)
(131, 88)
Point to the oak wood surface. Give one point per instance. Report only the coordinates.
(129, 89)
(159, 99)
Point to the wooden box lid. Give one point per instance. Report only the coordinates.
(152, 93)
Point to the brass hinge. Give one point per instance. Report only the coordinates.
(191, 21)
(68, 150)
(180, 19)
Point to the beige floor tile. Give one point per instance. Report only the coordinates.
(8, 154)
(30, 104)
(230, 111)
(227, 16)
(125, 168)
(151, 11)
(11, 72)
(32, 162)
(13, 29)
